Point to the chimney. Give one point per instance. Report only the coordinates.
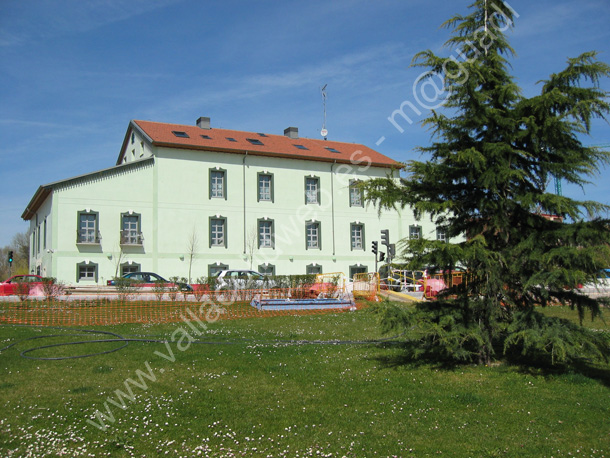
(291, 132)
(203, 123)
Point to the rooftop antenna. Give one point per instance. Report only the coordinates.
(324, 132)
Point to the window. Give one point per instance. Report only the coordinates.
(218, 232)
(206, 137)
(44, 236)
(231, 139)
(312, 190)
(301, 147)
(131, 233)
(215, 269)
(265, 234)
(332, 150)
(357, 236)
(35, 236)
(313, 269)
(312, 235)
(133, 137)
(180, 134)
(357, 269)
(441, 234)
(218, 184)
(262, 135)
(87, 232)
(355, 194)
(415, 232)
(127, 268)
(265, 187)
(255, 141)
(86, 271)
(266, 269)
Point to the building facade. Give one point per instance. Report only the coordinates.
(188, 201)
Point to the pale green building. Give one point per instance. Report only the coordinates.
(194, 198)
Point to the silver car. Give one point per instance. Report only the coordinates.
(242, 279)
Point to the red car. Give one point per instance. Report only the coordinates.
(13, 286)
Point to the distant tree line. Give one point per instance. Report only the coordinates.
(20, 246)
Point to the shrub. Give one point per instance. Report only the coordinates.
(22, 289)
(202, 287)
(126, 288)
(173, 289)
(52, 289)
(159, 289)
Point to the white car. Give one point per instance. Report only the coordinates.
(242, 279)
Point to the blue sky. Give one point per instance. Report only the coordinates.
(74, 72)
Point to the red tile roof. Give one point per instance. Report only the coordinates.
(162, 134)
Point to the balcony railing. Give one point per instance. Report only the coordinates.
(88, 237)
(131, 238)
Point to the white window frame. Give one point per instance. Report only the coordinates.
(266, 236)
(313, 235)
(357, 235)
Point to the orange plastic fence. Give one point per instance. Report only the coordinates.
(146, 307)
(366, 285)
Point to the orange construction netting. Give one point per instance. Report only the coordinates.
(146, 307)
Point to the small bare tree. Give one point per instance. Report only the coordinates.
(191, 249)
(251, 244)
(52, 288)
(117, 261)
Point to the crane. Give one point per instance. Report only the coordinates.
(558, 180)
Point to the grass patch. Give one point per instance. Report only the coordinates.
(251, 390)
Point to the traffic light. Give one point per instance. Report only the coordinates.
(381, 256)
(375, 247)
(385, 237)
(391, 250)
(10, 257)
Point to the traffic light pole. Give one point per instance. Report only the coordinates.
(375, 250)
(376, 263)
(10, 263)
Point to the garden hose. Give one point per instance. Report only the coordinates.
(127, 340)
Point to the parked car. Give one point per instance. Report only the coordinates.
(12, 285)
(149, 280)
(242, 279)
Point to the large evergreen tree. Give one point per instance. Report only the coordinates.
(492, 155)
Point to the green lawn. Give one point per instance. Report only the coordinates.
(249, 393)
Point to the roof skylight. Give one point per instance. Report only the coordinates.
(262, 135)
(255, 141)
(331, 149)
(301, 147)
(180, 134)
(207, 137)
(231, 139)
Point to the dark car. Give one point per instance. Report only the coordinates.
(149, 280)
(15, 284)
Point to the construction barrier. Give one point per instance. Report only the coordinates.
(148, 307)
(330, 284)
(404, 280)
(366, 286)
(433, 284)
